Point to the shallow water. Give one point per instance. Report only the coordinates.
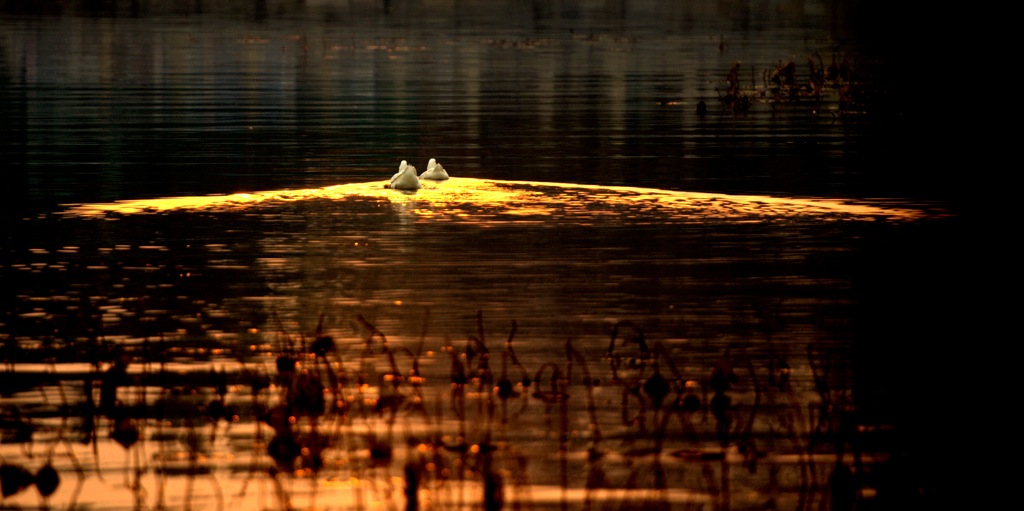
(197, 203)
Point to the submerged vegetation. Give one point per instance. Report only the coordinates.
(317, 421)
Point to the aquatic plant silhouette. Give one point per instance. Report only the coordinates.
(853, 92)
(624, 428)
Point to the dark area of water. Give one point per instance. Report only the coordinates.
(146, 99)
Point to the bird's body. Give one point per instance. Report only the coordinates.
(405, 178)
(401, 168)
(434, 171)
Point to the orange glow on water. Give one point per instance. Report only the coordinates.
(466, 198)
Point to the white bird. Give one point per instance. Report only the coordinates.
(405, 178)
(401, 167)
(434, 171)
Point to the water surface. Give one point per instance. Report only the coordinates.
(210, 299)
(157, 102)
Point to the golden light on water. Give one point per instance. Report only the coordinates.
(462, 198)
(339, 347)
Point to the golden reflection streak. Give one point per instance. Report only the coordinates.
(522, 199)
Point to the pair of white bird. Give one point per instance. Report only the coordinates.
(406, 178)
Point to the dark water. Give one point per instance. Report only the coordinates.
(169, 100)
(195, 195)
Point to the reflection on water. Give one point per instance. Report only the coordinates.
(477, 343)
(176, 103)
(671, 270)
(473, 198)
